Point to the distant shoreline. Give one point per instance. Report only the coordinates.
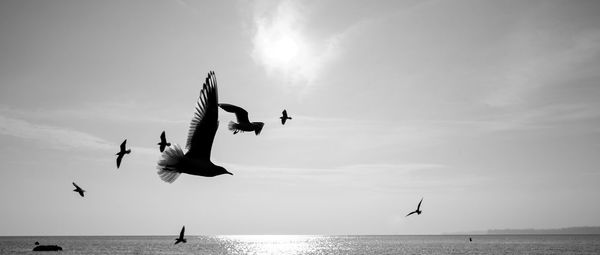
(531, 231)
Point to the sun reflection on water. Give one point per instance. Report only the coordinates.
(272, 244)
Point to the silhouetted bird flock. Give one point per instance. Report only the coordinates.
(203, 127)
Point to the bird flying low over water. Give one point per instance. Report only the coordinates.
(180, 239)
(196, 161)
(163, 142)
(418, 211)
(78, 189)
(122, 153)
(284, 117)
(244, 124)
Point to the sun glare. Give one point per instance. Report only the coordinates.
(283, 50)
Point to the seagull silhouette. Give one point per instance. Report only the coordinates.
(418, 211)
(284, 117)
(244, 124)
(196, 161)
(78, 189)
(122, 153)
(163, 142)
(180, 239)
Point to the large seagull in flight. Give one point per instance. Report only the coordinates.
(196, 161)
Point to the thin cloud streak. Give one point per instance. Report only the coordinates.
(56, 137)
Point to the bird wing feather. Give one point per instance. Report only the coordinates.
(182, 232)
(163, 138)
(240, 114)
(123, 145)
(77, 187)
(119, 160)
(205, 121)
(419, 206)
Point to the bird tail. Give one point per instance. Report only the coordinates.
(167, 170)
(234, 127)
(259, 127)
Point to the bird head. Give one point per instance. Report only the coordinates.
(222, 170)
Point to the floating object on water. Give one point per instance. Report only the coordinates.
(47, 248)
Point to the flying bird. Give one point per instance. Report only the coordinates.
(284, 117)
(122, 153)
(180, 239)
(244, 124)
(418, 211)
(196, 161)
(78, 189)
(163, 142)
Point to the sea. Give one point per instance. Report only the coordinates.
(307, 244)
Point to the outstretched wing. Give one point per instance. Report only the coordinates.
(205, 121)
(123, 145)
(119, 160)
(240, 114)
(182, 233)
(77, 187)
(419, 206)
(410, 213)
(163, 138)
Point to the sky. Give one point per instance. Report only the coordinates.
(488, 110)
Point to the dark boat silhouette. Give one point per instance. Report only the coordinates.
(47, 248)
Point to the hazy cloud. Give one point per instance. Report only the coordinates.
(56, 137)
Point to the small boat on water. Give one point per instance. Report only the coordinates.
(47, 248)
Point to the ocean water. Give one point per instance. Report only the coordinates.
(317, 245)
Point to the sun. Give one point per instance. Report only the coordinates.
(283, 50)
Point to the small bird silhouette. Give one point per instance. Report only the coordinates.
(122, 153)
(418, 211)
(180, 239)
(196, 161)
(163, 142)
(244, 124)
(470, 239)
(284, 117)
(78, 189)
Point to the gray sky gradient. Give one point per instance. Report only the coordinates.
(489, 110)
